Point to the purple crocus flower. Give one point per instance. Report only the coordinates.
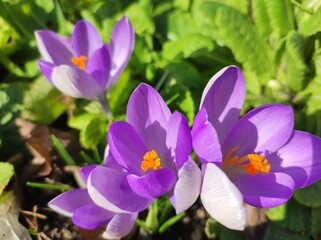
(147, 157)
(83, 66)
(84, 213)
(258, 159)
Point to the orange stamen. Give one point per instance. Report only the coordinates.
(79, 62)
(151, 161)
(251, 163)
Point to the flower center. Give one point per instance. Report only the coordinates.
(251, 163)
(79, 62)
(151, 161)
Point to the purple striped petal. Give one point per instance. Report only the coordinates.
(53, 47)
(262, 130)
(205, 140)
(65, 203)
(149, 115)
(109, 189)
(300, 158)
(120, 225)
(178, 139)
(154, 184)
(121, 47)
(127, 147)
(85, 39)
(99, 66)
(265, 191)
(221, 199)
(76, 83)
(223, 99)
(91, 216)
(46, 69)
(187, 187)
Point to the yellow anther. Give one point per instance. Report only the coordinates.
(251, 163)
(151, 161)
(79, 62)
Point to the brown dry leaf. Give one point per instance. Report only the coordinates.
(95, 234)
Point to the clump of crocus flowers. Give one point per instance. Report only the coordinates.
(252, 160)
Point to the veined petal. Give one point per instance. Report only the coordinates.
(221, 199)
(265, 191)
(85, 39)
(126, 146)
(75, 82)
(91, 216)
(46, 69)
(53, 47)
(99, 66)
(178, 139)
(154, 184)
(65, 203)
(300, 158)
(263, 130)
(149, 115)
(187, 188)
(109, 189)
(223, 99)
(121, 47)
(205, 140)
(120, 225)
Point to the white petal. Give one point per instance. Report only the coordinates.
(120, 225)
(187, 188)
(221, 199)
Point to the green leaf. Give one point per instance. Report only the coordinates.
(43, 102)
(292, 216)
(171, 221)
(274, 232)
(281, 16)
(261, 17)
(188, 46)
(310, 25)
(6, 173)
(10, 101)
(309, 196)
(94, 132)
(228, 234)
(212, 228)
(316, 222)
(241, 36)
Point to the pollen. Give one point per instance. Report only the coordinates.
(251, 163)
(151, 161)
(79, 62)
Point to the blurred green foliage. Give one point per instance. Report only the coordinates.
(179, 45)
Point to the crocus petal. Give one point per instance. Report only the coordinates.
(120, 225)
(300, 158)
(187, 187)
(154, 184)
(121, 47)
(179, 139)
(221, 199)
(223, 99)
(53, 47)
(85, 39)
(76, 82)
(46, 69)
(262, 130)
(109, 189)
(149, 115)
(126, 146)
(265, 191)
(65, 203)
(205, 140)
(91, 216)
(99, 66)
(85, 171)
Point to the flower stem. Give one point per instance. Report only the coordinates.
(105, 107)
